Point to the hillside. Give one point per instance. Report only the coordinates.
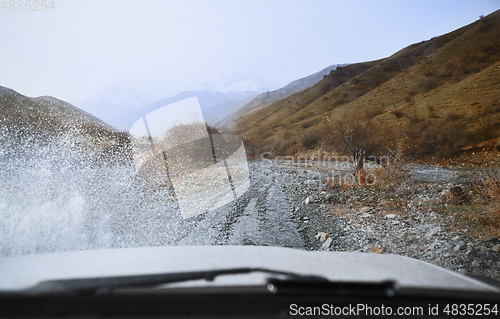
(273, 96)
(48, 126)
(440, 94)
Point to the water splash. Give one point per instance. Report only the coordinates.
(56, 198)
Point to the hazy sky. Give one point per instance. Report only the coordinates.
(161, 47)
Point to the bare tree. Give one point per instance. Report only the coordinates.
(354, 136)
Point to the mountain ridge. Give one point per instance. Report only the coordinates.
(207, 100)
(394, 96)
(32, 124)
(269, 97)
(114, 100)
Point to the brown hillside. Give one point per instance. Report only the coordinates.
(267, 98)
(30, 124)
(442, 94)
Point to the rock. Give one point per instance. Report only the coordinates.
(457, 248)
(455, 238)
(321, 236)
(390, 216)
(365, 210)
(328, 197)
(431, 233)
(461, 243)
(431, 247)
(484, 249)
(495, 248)
(305, 218)
(365, 215)
(375, 249)
(326, 244)
(307, 201)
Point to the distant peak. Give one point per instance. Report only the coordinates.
(237, 82)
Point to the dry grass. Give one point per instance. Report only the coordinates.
(372, 112)
(398, 113)
(440, 138)
(482, 216)
(452, 116)
(391, 175)
(487, 128)
(349, 134)
(438, 93)
(486, 191)
(432, 110)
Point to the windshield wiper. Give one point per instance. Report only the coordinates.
(292, 283)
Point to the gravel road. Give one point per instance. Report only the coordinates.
(287, 206)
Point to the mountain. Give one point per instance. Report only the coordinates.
(241, 82)
(114, 101)
(439, 96)
(46, 126)
(273, 96)
(207, 100)
(121, 107)
(216, 115)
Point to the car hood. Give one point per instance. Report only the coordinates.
(25, 271)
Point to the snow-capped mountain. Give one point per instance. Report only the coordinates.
(114, 101)
(241, 82)
(209, 105)
(120, 106)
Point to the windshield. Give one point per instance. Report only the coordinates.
(334, 126)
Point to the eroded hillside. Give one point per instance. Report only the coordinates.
(45, 126)
(441, 94)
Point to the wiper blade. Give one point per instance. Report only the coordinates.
(293, 283)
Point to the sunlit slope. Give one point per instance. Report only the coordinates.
(28, 123)
(448, 80)
(269, 97)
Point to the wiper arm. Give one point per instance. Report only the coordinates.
(292, 284)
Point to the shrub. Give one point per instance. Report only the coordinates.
(431, 109)
(398, 113)
(372, 112)
(351, 134)
(492, 108)
(311, 138)
(412, 114)
(429, 83)
(486, 193)
(213, 129)
(452, 116)
(487, 128)
(443, 138)
(390, 178)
